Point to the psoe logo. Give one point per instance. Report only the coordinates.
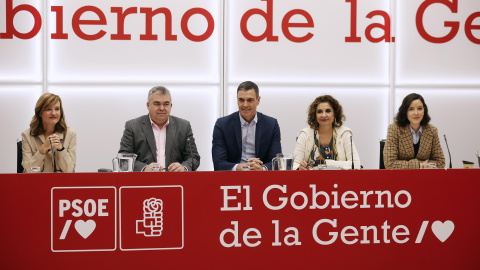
(83, 219)
(151, 217)
(152, 222)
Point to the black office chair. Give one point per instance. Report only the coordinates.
(382, 145)
(19, 157)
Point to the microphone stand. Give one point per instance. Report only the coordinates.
(449, 156)
(53, 152)
(351, 148)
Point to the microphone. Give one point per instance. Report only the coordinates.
(53, 152)
(449, 156)
(191, 154)
(351, 148)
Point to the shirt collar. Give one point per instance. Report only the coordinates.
(242, 121)
(153, 123)
(413, 131)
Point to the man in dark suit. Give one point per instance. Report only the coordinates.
(160, 139)
(246, 137)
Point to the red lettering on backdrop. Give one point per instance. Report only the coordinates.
(10, 15)
(76, 22)
(453, 6)
(353, 22)
(268, 16)
(210, 24)
(469, 27)
(120, 35)
(286, 24)
(59, 23)
(385, 27)
(149, 21)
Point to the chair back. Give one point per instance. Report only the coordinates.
(382, 145)
(19, 157)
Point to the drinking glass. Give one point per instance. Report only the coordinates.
(478, 157)
(245, 168)
(156, 168)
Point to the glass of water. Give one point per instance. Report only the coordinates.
(156, 168)
(478, 157)
(245, 168)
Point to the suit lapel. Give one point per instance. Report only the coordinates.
(407, 141)
(171, 129)
(425, 141)
(258, 135)
(238, 131)
(148, 131)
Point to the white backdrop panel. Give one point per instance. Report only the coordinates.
(17, 107)
(136, 60)
(87, 74)
(366, 110)
(98, 114)
(325, 58)
(455, 113)
(21, 60)
(422, 62)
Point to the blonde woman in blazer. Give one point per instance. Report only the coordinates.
(326, 141)
(412, 120)
(48, 124)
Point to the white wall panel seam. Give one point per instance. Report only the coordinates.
(392, 64)
(144, 83)
(223, 57)
(440, 86)
(45, 46)
(226, 59)
(333, 85)
(20, 83)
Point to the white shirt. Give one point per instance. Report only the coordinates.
(416, 136)
(248, 139)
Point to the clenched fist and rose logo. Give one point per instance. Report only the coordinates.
(152, 222)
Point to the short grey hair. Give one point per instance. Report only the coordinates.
(161, 90)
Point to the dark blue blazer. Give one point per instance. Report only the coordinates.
(227, 141)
